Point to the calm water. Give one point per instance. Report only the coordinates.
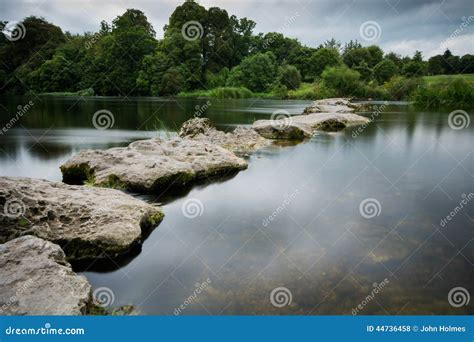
(291, 220)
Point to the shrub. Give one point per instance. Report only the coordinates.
(344, 81)
(311, 91)
(256, 72)
(401, 88)
(456, 94)
(231, 93)
(289, 76)
(384, 70)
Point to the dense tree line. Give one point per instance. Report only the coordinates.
(124, 58)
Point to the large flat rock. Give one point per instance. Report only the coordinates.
(299, 127)
(241, 140)
(85, 221)
(36, 279)
(332, 105)
(152, 165)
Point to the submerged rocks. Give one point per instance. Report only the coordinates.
(86, 222)
(36, 279)
(333, 105)
(299, 127)
(241, 140)
(152, 165)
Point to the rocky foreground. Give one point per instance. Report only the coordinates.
(36, 279)
(152, 165)
(86, 222)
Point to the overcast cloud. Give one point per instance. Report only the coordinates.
(405, 26)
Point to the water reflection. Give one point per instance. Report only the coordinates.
(317, 244)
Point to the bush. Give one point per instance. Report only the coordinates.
(231, 93)
(344, 81)
(385, 70)
(256, 72)
(321, 59)
(289, 76)
(311, 91)
(401, 88)
(456, 94)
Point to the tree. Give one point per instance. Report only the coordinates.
(256, 72)
(467, 64)
(356, 56)
(385, 70)
(321, 59)
(343, 80)
(436, 65)
(366, 73)
(412, 69)
(289, 76)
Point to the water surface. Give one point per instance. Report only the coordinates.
(291, 220)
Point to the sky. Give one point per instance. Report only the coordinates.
(400, 26)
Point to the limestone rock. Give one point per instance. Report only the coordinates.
(36, 279)
(152, 165)
(86, 222)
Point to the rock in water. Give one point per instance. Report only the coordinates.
(299, 127)
(36, 279)
(241, 140)
(152, 165)
(86, 222)
(333, 105)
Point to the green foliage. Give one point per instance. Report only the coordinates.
(366, 73)
(221, 93)
(344, 81)
(311, 91)
(401, 88)
(384, 70)
(289, 76)
(256, 72)
(322, 58)
(459, 94)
